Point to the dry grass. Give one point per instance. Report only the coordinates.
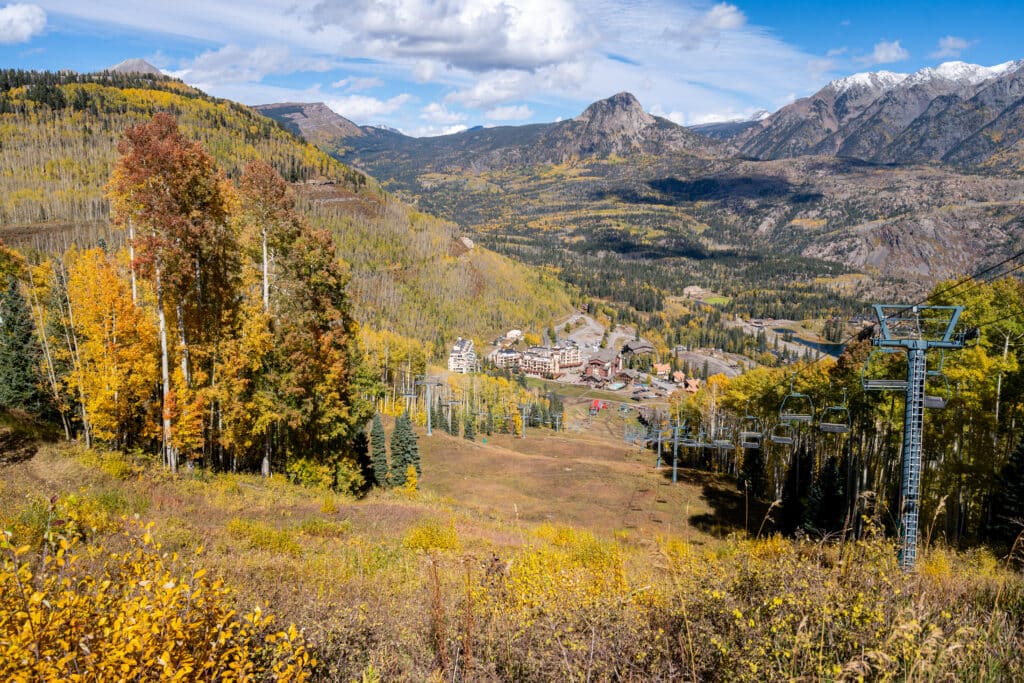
(541, 559)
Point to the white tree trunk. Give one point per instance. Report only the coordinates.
(131, 259)
(170, 457)
(266, 274)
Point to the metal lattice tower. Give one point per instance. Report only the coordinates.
(915, 329)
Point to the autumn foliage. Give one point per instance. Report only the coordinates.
(220, 334)
(88, 613)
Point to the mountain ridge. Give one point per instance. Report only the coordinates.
(879, 117)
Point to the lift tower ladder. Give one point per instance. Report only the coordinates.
(916, 330)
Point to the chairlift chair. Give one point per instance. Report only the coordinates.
(751, 430)
(880, 383)
(782, 434)
(796, 407)
(835, 419)
(938, 401)
(723, 439)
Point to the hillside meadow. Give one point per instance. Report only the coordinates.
(556, 557)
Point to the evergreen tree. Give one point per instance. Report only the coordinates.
(378, 453)
(1007, 516)
(469, 431)
(361, 456)
(400, 449)
(489, 425)
(19, 353)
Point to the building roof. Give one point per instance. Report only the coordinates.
(462, 346)
(641, 346)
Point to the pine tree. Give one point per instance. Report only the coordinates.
(469, 431)
(400, 440)
(19, 353)
(378, 453)
(361, 456)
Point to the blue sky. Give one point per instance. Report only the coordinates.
(432, 66)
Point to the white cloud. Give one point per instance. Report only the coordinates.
(950, 46)
(426, 70)
(724, 17)
(436, 112)
(20, 22)
(519, 112)
(476, 35)
(354, 84)
(552, 56)
(232, 64)
(362, 108)
(673, 116)
(492, 88)
(707, 27)
(885, 52)
(434, 131)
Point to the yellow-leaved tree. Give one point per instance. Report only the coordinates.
(116, 362)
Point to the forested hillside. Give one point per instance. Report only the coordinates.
(58, 137)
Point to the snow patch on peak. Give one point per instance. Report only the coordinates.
(874, 80)
(962, 72)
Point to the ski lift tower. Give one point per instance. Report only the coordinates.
(428, 381)
(916, 329)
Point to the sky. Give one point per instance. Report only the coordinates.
(431, 67)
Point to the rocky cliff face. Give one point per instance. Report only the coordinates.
(617, 125)
(315, 121)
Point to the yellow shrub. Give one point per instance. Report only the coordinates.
(262, 536)
(429, 535)
(132, 615)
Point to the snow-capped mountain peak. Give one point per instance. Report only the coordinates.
(873, 80)
(962, 72)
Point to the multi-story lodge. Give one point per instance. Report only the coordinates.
(462, 358)
(540, 360)
(569, 355)
(506, 359)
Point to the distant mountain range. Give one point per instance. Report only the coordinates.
(614, 126)
(882, 174)
(957, 113)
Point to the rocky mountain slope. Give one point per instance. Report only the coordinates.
(957, 113)
(315, 122)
